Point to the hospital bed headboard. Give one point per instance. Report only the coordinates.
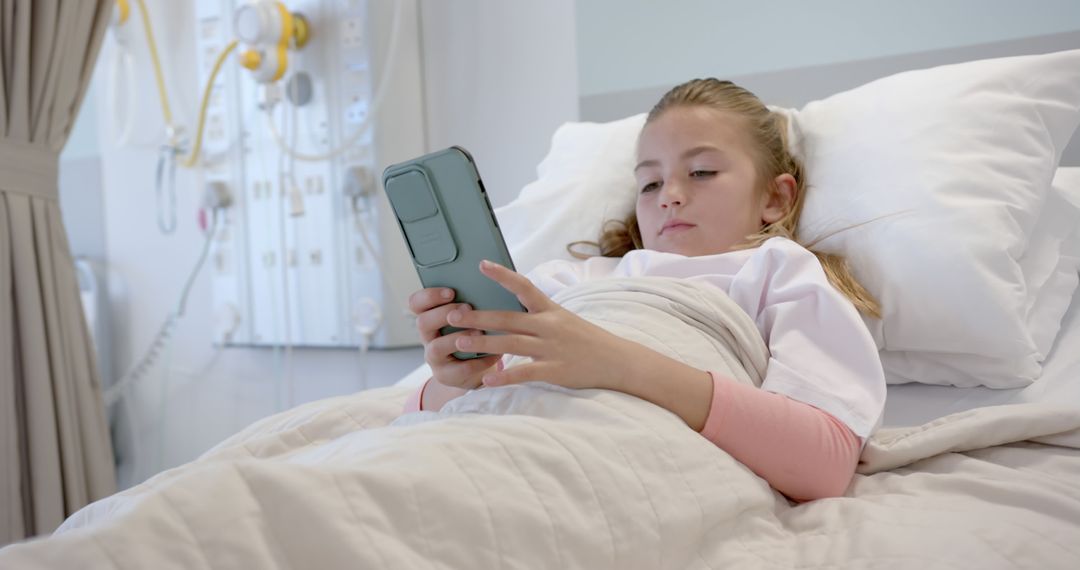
(796, 87)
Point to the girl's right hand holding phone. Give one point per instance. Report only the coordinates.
(431, 306)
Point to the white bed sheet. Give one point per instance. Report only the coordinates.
(915, 404)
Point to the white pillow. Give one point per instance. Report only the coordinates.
(1051, 264)
(969, 148)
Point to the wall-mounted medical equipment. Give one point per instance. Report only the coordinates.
(300, 258)
(307, 253)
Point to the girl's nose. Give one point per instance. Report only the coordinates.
(671, 195)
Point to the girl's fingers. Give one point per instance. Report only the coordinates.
(427, 299)
(502, 321)
(430, 321)
(454, 372)
(464, 373)
(520, 345)
(528, 295)
(440, 349)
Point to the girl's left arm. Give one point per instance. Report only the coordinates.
(800, 450)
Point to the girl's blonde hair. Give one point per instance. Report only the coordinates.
(768, 133)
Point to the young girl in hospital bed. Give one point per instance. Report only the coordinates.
(719, 200)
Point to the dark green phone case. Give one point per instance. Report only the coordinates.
(449, 227)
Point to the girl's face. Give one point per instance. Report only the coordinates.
(698, 188)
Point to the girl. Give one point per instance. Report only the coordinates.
(719, 201)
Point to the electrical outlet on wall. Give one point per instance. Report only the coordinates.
(356, 112)
(352, 32)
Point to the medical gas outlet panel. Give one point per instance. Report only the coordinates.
(308, 253)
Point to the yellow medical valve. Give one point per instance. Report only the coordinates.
(300, 32)
(266, 65)
(269, 28)
(122, 12)
(250, 59)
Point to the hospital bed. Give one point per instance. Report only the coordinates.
(537, 476)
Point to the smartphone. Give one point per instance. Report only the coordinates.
(449, 227)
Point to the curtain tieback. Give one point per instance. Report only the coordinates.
(30, 169)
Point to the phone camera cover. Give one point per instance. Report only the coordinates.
(425, 230)
(412, 196)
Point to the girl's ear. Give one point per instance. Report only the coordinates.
(780, 200)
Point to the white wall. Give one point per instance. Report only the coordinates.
(499, 77)
(633, 44)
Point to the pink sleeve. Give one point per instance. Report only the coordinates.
(803, 452)
(416, 400)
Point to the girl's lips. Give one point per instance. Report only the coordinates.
(676, 227)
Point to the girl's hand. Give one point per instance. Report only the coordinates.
(565, 349)
(431, 306)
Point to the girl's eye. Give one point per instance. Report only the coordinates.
(649, 187)
(702, 173)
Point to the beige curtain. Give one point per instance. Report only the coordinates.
(55, 455)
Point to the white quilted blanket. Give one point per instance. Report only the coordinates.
(537, 476)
